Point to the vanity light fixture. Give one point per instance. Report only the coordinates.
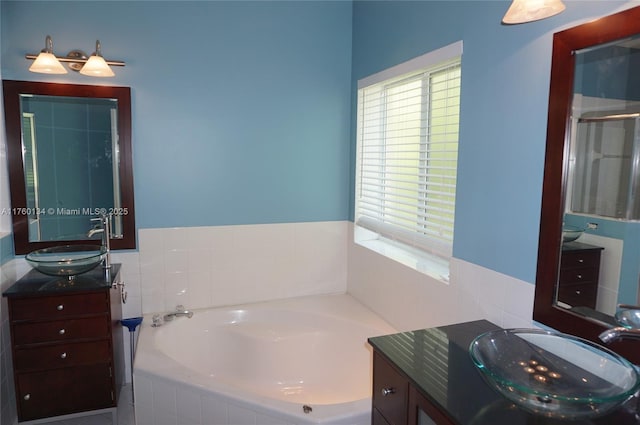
(46, 62)
(523, 11)
(95, 65)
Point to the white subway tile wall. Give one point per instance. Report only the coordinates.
(411, 300)
(201, 267)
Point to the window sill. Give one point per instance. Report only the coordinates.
(423, 262)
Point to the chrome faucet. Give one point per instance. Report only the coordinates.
(180, 311)
(627, 316)
(103, 226)
(617, 333)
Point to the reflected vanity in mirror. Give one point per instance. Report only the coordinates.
(69, 152)
(589, 246)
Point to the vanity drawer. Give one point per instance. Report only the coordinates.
(62, 355)
(60, 330)
(377, 418)
(579, 295)
(390, 391)
(580, 258)
(579, 275)
(58, 306)
(62, 391)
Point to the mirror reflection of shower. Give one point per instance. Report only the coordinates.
(606, 175)
(603, 194)
(30, 161)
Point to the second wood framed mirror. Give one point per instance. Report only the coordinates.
(591, 186)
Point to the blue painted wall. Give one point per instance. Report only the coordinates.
(240, 109)
(505, 88)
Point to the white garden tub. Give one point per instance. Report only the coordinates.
(296, 361)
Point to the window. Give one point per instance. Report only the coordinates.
(408, 121)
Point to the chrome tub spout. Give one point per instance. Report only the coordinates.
(180, 312)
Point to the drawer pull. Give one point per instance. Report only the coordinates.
(578, 292)
(63, 355)
(60, 307)
(62, 332)
(27, 397)
(388, 391)
(579, 276)
(581, 261)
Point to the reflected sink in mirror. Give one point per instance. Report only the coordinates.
(571, 233)
(629, 318)
(553, 374)
(66, 260)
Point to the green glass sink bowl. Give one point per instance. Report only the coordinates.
(66, 260)
(553, 374)
(571, 233)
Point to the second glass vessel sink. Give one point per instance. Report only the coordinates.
(66, 260)
(554, 374)
(571, 233)
(629, 318)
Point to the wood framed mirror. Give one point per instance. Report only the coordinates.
(591, 52)
(69, 154)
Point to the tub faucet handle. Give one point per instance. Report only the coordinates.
(180, 307)
(157, 320)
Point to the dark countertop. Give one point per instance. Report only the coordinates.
(438, 364)
(35, 283)
(579, 246)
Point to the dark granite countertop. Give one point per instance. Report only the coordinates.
(35, 283)
(579, 246)
(438, 364)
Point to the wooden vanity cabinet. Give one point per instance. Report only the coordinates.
(390, 393)
(427, 377)
(579, 275)
(396, 401)
(67, 352)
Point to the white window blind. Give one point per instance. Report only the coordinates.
(407, 157)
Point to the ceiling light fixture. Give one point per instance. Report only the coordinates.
(522, 11)
(95, 65)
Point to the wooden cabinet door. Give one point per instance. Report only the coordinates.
(423, 412)
(63, 391)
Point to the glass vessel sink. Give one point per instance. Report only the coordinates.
(571, 233)
(66, 260)
(553, 374)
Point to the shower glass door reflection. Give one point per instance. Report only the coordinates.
(605, 175)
